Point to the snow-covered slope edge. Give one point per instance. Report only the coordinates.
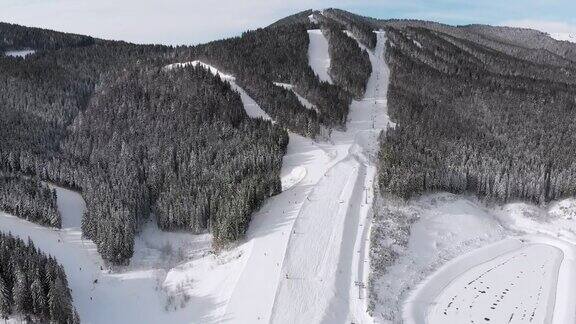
(569, 37)
(20, 53)
(303, 101)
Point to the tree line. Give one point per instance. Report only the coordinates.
(16, 37)
(177, 144)
(29, 199)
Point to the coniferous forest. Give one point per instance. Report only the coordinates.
(33, 286)
(471, 119)
(349, 65)
(104, 118)
(177, 144)
(479, 109)
(29, 199)
(277, 54)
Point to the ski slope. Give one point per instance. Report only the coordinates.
(318, 56)
(241, 286)
(326, 254)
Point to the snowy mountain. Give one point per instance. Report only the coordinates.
(327, 168)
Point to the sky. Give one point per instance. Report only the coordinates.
(190, 22)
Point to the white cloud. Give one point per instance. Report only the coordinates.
(151, 21)
(198, 21)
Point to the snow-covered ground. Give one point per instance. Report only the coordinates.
(19, 53)
(326, 254)
(318, 56)
(515, 284)
(467, 263)
(128, 295)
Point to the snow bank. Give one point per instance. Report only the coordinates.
(291, 179)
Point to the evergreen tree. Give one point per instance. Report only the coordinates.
(5, 301)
